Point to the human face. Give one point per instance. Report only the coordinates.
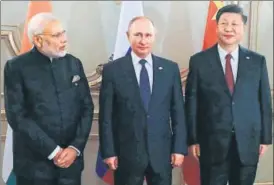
(53, 40)
(230, 29)
(141, 36)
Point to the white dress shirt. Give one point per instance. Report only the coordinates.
(137, 67)
(234, 60)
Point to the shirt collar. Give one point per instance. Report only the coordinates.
(223, 52)
(136, 59)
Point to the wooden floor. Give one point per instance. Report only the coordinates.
(264, 175)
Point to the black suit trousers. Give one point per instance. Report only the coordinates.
(122, 177)
(231, 170)
(54, 176)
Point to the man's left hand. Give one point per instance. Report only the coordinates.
(177, 160)
(66, 158)
(263, 148)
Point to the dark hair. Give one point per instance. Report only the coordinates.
(232, 8)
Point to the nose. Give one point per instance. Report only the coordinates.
(228, 28)
(143, 40)
(64, 39)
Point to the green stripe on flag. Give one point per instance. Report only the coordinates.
(11, 179)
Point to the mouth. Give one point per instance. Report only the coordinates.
(143, 48)
(228, 36)
(62, 48)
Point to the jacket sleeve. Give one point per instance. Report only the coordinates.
(18, 116)
(178, 122)
(265, 104)
(87, 108)
(191, 99)
(105, 115)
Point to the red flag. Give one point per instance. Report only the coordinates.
(210, 37)
(34, 8)
(191, 169)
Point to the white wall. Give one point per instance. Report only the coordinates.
(265, 35)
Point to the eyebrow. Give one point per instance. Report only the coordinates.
(142, 33)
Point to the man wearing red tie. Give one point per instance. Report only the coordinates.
(228, 105)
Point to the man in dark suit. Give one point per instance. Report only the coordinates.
(49, 108)
(141, 94)
(228, 105)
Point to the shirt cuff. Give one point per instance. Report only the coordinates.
(78, 152)
(53, 154)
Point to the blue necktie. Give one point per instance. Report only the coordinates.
(144, 85)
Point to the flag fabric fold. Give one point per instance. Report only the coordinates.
(210, 37)
(191, 169)
(34, 8)
(129, 10)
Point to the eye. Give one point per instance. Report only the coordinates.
(59, 34)
(137, 34)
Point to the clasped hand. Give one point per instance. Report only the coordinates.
(65, 157)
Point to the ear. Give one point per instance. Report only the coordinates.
(155, 31)
(37, 41)
(128, 35)
(245, 27)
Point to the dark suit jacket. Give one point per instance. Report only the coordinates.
(212, 111)
(126, 130)
(45, 109)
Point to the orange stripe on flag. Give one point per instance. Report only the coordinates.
(191, 170)
(34, 8)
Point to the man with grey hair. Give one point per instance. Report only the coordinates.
(48, 106)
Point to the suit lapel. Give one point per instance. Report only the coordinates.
(132, 84)
(157, 80)
(216, 65)
(242, 67)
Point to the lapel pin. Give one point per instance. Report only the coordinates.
(247, 58)
(160, 68)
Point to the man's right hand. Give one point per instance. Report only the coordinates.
(112, 162)
(195, 151)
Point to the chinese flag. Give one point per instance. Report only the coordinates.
(191, 170)
(34, 8)
(210, 37)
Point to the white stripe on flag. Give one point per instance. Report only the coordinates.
(129, 10)
(8, 156)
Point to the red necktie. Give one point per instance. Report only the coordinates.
(228, 73)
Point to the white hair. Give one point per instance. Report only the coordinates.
(38, 22)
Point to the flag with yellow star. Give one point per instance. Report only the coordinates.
(210, 37)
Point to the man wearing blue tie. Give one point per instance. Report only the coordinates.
(141, 120)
